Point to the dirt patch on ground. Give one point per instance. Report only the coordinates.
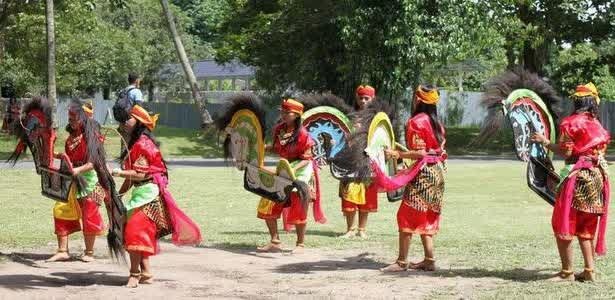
(216, 273)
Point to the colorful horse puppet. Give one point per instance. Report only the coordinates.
(243, 124)
(530, 106)
(326, 120)
(35, 131)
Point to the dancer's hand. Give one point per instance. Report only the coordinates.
(391, 154)
(539, 138)
(77, 171)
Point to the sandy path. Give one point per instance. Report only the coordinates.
(229, 274)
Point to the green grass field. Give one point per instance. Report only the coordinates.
(176, 142)
(492, 226)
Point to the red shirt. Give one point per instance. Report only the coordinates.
(583, 135)
(420, 135)
(76, 148)
(145, 157)
(300, 149)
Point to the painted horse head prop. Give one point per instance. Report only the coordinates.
(326, 121)
(35, 131)
(243, 124)
(530, 106)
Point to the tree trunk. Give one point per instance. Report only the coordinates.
(51, 59)
(533, 58)
(181, 54)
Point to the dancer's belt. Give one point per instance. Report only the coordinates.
(144, 182)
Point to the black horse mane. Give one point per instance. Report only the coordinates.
(353, 158)
(498, 89)
(310, 101)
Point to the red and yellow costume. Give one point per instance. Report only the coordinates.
(583, 198)
(419, 212)
(82, 204)
(147, 219)
(152, 211)
(295, 152)
(359, 196)
(300, 150)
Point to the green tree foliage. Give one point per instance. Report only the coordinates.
(535, 29)
(586, 62)
(98, 44)
(336, 45)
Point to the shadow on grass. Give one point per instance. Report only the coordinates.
(517, 275)
(240, 248)
(60, 279)
(308, 233)
(26, 259)
(362, 261)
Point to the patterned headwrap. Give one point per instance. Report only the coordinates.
(292, 105)
(586, 90)
(144, 117)
(431, 97)
(365, 90)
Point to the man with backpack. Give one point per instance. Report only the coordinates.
(133, 92)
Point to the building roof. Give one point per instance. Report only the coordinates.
(211, 69)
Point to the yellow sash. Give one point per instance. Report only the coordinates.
(69, 210)
(355, 193)
(265, 206)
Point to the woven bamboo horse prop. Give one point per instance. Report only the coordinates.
(530, 106)
(244, 145)
(35, 131)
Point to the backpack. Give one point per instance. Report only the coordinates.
(122, 105)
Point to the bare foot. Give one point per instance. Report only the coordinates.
(61, 255)
(362, 233)
(398, 266)
(349, 234)
(133, 280)
(146, 278)
(562, 275)
(299, 249)
(425, 265)
(270, 247)
(88, 256)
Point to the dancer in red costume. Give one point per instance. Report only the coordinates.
(152, 211)
(292, 142)
(583, 196)
(359, 197)
(419, 212)
(81, 212)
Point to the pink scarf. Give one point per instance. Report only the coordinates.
(185, 231)
(384, 183)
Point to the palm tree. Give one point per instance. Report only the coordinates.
(181, 54)
(51, 58)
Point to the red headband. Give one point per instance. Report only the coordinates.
(365, 90)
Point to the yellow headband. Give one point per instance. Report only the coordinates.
(431, 97)
(587, 90)
(88, 111)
